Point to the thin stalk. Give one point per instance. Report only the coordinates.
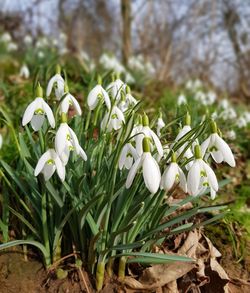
(122, 267)
(45, 225)
(100, 275)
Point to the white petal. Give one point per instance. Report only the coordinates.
(74, 140)
(76, 105)
(82, 153)
(212, 193)
(205, 145)
(29, 112)
(193, 178)
(128, 163)
(64, 106)
(226, 151)
(183, 131)
(61, 137)
(138, 143)
(49, 113)
(60, 168)
(37, 121)
(132, 172)
(92, 98)
(151, 173)
(41, 162)
(64, 156)
(212, 180)
(217, 156)
(106, 98)
(157, 142)
(48, 171)
(168, 177)
(123, 156)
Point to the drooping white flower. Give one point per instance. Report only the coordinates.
(36, 111)
(241, 122)
(113, 120)
(218, 148)
(127, 157)
(160, 125)
(12, 47)
(231, 134)
(150, 169)
(188, 153)
(210, 98)
(145, 131)
(127, 100)
(66, 141)
(181, 100)
(96, 95)
(115, 89)
(57, 82)
(201, 176)
(173, 174)
(27, 40)
(24, 71)
(228, 113)
(48, 164)
(224, 104)
(246, 115)
(68, 101)
(6, 37)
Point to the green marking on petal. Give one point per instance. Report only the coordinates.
(68, 137)
(114, 116)
(213, 149)
(203, 173)
(39, 111)
(50, 162)
(205, 184)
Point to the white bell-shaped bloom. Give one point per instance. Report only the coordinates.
(68, 101)
(127, 157)
(145, 131)
(127, 102)
(35, 113)
(150, 169)
(66, 141)
(48, 164)
(24, 71)
(160, 125)
(115, 89)
(200, 177)
(218, 148)
(113, 120)
(57, 82)
(182, 100)
(231, 134)
(173, 174)
(97, 94)
(241, 122)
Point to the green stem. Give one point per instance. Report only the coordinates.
(100, 275)
(122, 267)
(110, 267)
(45, 225)
(87, 121)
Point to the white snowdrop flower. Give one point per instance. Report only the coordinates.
(211, 98)
(127, 157)
(173, 174)
(224, 104)
(11, 47)
(214, 115)
(186, 128)
(98, 95)
(113, 120)
(40, 54)
(231, 134)
(189, 85)
(48, 164)
(36, 111)
(27, 40)
(181, 100)
(197, 84)
(1, 140)
(66, 141)
(217, 147)
(150, 169)
(24, 71)
(58, 82)
(200, 97)
(201, 176)
(68, 101)
(228, 113)
(160, 125)
(115, 88)
(145, 131)
(241, 122)
(129, 78)
(246, 115)
(127, 100)
(6, 37)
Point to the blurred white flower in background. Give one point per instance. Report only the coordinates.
(231, 134)
(6, 38)
(12, 47)
(24, 71)
(28, 40)
(181, 100)
(241, 122)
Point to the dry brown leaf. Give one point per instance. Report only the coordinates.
(190, 245)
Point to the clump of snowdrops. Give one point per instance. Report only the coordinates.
(96, 182)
